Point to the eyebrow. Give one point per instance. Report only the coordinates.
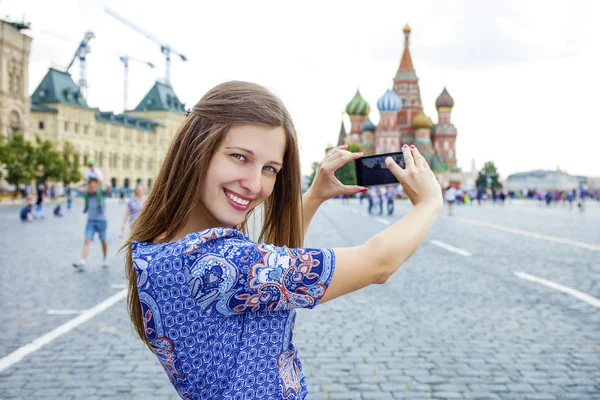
(251, 153)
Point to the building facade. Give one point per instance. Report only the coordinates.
(128, 148)
(402, 121)
(14, 78)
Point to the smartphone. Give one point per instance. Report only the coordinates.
(372, 171)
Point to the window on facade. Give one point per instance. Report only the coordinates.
(100, 158)
(41, 125)
(85, 129)
(14, 124)
(66, 126)
(76, 128)
(446, 145)
(85, 159)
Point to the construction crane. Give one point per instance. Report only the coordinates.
(164, 48)
(125, 60)
(82, 51)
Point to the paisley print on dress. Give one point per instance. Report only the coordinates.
(218, 311)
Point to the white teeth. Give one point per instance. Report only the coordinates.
(237, 199)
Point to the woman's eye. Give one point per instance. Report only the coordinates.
(239, 157)
(271, 169)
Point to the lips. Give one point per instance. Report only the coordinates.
(234, 204)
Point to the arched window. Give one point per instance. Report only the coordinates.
(14, 124)
(446, 145)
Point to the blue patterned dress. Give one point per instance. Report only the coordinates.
(218, 310)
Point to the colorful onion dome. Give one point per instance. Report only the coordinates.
(406, 28)
(390, 101)
(368, 126)
(358, 106)
(444, 100)
(422, 121)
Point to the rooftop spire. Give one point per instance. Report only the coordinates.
(406, 64)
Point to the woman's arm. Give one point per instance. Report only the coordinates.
(381, 256)
(325, 185)
(310, 205)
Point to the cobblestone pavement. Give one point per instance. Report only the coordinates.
(445, 326)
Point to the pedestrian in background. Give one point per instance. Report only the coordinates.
(95, 207)
(26, 213)
(198, 284)
(450, 199)
(391, 198)
(134, 206)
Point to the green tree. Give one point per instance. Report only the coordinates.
(488, 177)
(49, 163)
(345, 174)
(71, 171)
(315, 167)
(18, 157)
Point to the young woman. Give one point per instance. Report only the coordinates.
(134, 206)
(217, 308)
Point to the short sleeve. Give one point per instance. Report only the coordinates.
(244, 277)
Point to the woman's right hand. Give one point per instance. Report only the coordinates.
(418, 181)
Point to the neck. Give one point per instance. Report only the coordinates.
(199, 220)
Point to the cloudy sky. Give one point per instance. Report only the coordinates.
(524, 75)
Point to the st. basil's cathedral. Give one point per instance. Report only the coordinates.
(402, 121)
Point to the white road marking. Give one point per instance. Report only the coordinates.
(64, 312)
(383, 220)
(561, 288)
(23, 351)
(118, 286)
(527, 233)
(451, 248)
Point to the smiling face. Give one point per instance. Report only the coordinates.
(241, 174)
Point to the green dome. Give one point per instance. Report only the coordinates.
(422, 121)
(358, 106)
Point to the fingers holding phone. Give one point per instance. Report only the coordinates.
(418, 181)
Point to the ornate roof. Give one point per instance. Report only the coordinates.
(342, 136)
(406, 70)
(367, 125)
(58, 87)
(444, 100)
(406, 28)
(422, 121)
(358, 105)
(390, 101)
(127, 120)
(161, 98)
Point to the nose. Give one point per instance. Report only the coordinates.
(252, 181)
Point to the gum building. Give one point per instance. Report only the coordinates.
(127, 147)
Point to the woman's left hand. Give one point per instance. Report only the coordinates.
(325, 185)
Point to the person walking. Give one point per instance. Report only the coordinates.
(134, 206)
(382, 196)
(202, 294)
(95, 207)
(391, 197)
(450, 199)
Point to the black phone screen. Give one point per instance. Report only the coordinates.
(372, 171)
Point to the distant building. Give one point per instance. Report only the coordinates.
(403, 121)
(542, 179)
(14, 78)
(128, 148)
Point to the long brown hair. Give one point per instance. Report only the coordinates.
(177, 187)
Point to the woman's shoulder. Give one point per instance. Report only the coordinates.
(193, 241)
